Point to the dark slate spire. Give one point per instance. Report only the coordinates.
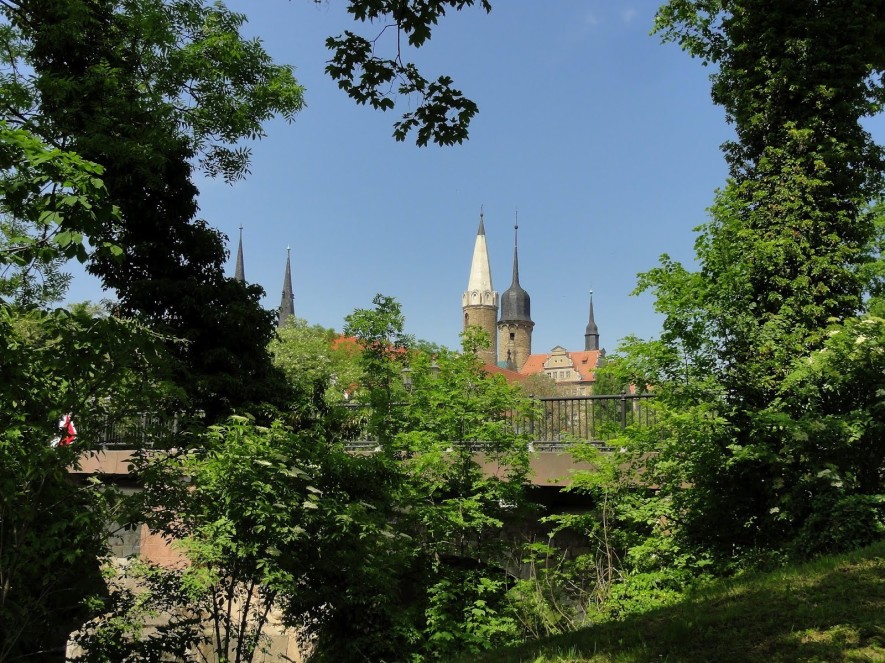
(240, 273)
(515, 302)
(591, 334)
(287, 305)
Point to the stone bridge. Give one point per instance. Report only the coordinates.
(557, 425)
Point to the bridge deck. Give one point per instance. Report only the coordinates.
(548, 468)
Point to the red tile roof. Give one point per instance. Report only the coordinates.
(352, 345)
(585, 362)
(348, 342)
(510, 376)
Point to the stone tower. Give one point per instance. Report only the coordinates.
(479, 302)
(515, 326)
(240, 273)
(591, 333)
(287, 305)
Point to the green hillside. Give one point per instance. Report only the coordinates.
(829, 610)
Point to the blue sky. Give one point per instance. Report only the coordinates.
(603, 139)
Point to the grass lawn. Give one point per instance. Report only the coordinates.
(830, 610)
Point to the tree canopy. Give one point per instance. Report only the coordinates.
(784, 265)
(145, 89)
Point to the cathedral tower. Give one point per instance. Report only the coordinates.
(591, 333)
(480, 301)
(287, 304)
(515, 326)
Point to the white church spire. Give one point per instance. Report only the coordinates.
(479, 302)
(480, 272)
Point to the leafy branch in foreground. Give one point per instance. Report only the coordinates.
(443, 113)
(56, 193)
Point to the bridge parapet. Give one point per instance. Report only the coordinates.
(557, 424)
(547, 468)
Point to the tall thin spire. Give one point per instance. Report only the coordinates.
(480, 271)
(287, 305)
(515, 326)
(516, 305)
(240, 273)
(591, 334)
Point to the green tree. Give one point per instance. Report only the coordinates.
(277, 526)
(315, 358)
(145, 88)
(830, 408)
(610, 379)
(380, 334)
(467, 469)
(784, 256)
(539, 385)
(463, 471)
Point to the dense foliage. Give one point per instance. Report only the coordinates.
(52, 531)
(755, 454)
(451, 504)
(276, 526)
(145, 88)
(399, 554)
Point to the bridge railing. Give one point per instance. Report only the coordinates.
(135, 431)
(555, 421)
(596, 418)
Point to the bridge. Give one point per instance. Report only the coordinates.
(556, 425)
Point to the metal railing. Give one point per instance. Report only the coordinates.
(135, 431)
(589, 418)
(554, 422)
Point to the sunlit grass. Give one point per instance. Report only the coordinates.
(829, 610)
